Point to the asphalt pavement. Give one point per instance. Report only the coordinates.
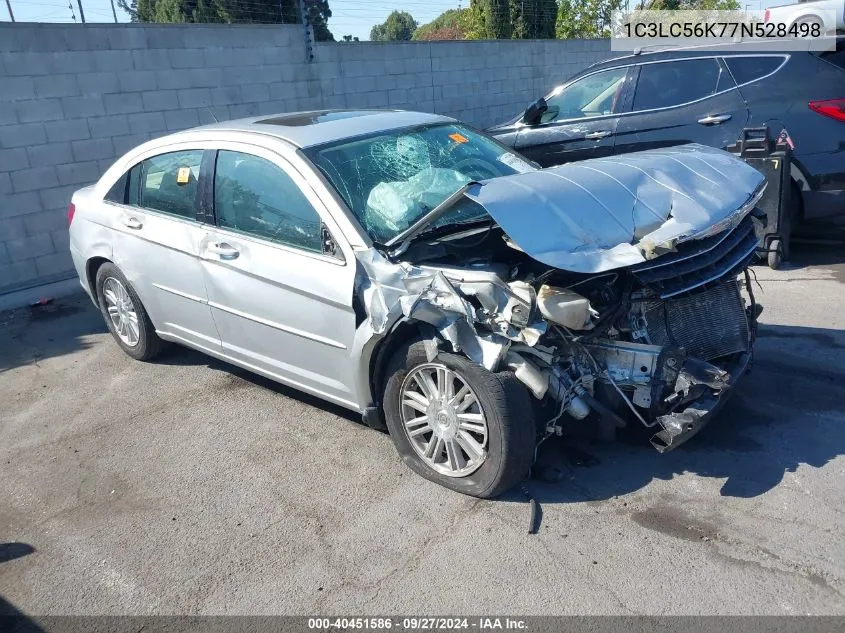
(189, 486)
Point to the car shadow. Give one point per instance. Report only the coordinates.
(11, 551)
(785, 413)
(178, 355)
(50, 329)
(14, 620)
(11, 618)
(807, 252)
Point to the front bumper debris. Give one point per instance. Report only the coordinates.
(679, 426)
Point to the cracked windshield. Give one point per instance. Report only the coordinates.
(391, 180)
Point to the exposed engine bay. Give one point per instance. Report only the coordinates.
(655, 344)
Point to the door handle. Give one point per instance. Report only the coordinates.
(714, 119)
(597, 135)
(132, 223)
(224, 250)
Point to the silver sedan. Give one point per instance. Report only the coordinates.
(415, 270)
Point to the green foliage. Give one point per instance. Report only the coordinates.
(232, 12)
(474, 20)
(498, 25)
(585, 18)
(399, 26)
(318, 14)
(509, 19)
(533, 19)
(449, 25)
(131, 8)
(692, 5)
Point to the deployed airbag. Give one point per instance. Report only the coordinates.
(393, 206)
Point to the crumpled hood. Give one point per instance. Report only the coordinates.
(606, 213)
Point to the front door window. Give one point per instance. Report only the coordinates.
(591, 96)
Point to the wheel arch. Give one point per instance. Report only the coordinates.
(403, 333)
(91, 267)
(809, 16)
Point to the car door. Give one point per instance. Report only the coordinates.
(579, 122)
(282, 302)
(156, 243)
(682, 101)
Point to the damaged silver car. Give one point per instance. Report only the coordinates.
(415, 270)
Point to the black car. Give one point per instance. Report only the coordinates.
(671, 97)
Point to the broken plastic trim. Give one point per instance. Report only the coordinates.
(680, 426)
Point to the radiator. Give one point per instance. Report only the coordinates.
(708, 324)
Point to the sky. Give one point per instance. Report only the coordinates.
(349, 17)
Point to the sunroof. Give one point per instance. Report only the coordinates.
(312, 118)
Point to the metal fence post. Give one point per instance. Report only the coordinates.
(309, 49)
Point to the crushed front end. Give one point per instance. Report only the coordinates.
(669, 340)
(637, 309)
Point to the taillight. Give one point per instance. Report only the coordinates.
(834, 108)
(766, 16)
(71, 209)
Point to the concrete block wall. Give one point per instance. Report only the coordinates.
(75, 97)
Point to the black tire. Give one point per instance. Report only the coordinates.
(775, 255)
(149, 345)
(507, 408)
(811, 20)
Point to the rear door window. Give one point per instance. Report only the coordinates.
(747, 69)
(667, 84)
(167, 183)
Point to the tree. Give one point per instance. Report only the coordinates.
(498, 20)
(131, 8)
(225, 11)
(474, 20)
(692, 5)
(446, 26)
(317, 12)
(399, 26)
(509, 19)
(533, 19)
(585, 18)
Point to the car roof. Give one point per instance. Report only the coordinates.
(711, 50)
(316, 127)
(673, 53)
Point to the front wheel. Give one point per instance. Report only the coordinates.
(457, 424)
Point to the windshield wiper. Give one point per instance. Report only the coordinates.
(399, 243)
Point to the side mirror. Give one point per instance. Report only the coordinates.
(534, 112)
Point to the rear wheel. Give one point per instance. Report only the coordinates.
(457, 424)
(811, 22)
(125, 315)
(775, 255)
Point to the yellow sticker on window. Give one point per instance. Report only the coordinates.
(184, 176)
(459, 138)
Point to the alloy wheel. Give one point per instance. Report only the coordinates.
(121, 311)
(443, 420)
